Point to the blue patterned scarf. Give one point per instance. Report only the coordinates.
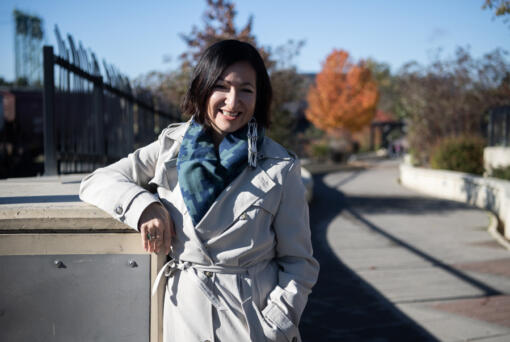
(203, 171)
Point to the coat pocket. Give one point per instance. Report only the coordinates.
(271, 331)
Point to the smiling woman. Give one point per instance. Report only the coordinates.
(230, 208)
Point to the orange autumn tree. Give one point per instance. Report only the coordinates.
(344, 96)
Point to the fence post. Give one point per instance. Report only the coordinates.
(99, 118)
(50, 141)
(131, 125)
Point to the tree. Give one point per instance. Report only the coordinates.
(451, 97)
(387, 84)
(344, 96)
(218, 24)
(501, 8)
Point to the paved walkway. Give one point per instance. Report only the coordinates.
(400, 266)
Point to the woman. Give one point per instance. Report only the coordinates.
(230, 208)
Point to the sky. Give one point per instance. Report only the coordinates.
(142, 36)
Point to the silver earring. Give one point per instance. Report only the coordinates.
(252, 142)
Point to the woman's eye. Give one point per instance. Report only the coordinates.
(220, 86)
(248, 90)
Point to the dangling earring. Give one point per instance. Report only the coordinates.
(252, 142)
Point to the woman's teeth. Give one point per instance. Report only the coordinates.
(231, 114)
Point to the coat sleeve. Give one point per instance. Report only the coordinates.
(298, 269)
(121, 189)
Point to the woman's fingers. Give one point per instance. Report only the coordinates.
(148, 231)
(154, 234)
(157, 230)
(160, 236)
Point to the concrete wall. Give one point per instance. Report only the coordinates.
(495, 157)
(487, 193)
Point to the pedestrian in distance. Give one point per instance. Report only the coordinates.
(225, 203)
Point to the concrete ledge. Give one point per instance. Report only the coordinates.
(486, 193)
(51, 204)
(496, 157)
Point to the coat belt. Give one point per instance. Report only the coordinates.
(246, 304)
(174, 265)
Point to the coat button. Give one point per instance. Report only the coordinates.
(208, 273)
(243, 216)
(118, 210)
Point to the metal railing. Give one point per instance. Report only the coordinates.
(89, 122)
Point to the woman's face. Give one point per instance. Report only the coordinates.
(232, 101)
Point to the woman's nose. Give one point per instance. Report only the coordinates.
(231, 99)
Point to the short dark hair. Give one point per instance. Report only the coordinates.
(214, 61)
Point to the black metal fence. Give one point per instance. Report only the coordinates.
(89, 122)
(499, 126)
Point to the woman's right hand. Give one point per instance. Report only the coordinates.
(156, 228)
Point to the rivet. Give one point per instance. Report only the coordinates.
(59, 264)
(132, 263)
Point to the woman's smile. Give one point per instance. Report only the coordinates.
(230, 115)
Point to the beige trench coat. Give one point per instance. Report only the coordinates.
(245, 271)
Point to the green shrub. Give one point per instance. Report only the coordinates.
(320, 150)
(459, 153)
(501, 172)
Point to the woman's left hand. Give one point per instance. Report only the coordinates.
(156, 228)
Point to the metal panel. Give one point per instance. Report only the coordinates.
(82, 298)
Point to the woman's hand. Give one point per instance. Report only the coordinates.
(157, 229)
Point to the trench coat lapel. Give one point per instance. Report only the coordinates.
(250, 186)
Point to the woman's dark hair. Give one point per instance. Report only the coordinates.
(211, 66)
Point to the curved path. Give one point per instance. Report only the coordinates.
(400, 266)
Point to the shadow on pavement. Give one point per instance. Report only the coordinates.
(409, 205)
(342, 306)
(488, 291)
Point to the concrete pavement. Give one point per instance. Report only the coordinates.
(400, 266)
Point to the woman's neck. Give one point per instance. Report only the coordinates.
(217, 137)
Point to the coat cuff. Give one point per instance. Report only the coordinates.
(132, 206)
(276, 316)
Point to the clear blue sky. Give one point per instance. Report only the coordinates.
(136, 35)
